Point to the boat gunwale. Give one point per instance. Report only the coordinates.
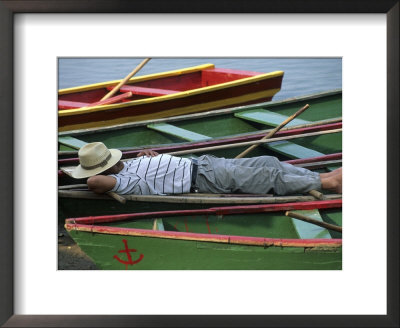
(235, 145)
(177, 72)
(317, 125)
(190, 236)
(177, 95)
(222, 210)
(193, 198)
(210, 113)
(88, 224)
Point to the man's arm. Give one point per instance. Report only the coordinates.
(147, 153)
(101, 183)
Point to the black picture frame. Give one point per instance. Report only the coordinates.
(7, 201)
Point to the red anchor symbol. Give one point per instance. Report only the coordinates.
(128, 254)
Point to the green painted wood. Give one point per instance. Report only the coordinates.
(271, 225)
(160, 225)
(267, 117)
(292, 150)
(320, 107)
(71, 142)
(307, 230)
(219, 125)
(169, 254)
(178, 132)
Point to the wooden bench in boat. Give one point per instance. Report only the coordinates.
(71, 142)
(144, 91)
(158, 225)
(286, 148)
(68, 104)
(306, 230)
(293, 150)
(267, 117)
(178, 132)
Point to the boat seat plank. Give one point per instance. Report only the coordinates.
(144, 91)
(267, 117)
(307, 230)
(292, 150)
(158, 225)
(71, 142)
(178, 132)
(67, 104)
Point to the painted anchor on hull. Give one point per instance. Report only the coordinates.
(128, 254)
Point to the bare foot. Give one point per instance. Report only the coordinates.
(333, 183)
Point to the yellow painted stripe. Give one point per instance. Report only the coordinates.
(136, 79)
(247, 80)
(177, 111)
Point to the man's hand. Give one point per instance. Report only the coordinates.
(148, 153)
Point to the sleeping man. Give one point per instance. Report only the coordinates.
(154, 174)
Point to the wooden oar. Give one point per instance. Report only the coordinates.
(117, 197)
(317, 194)
(196, 198)
(110, 100)
(114, 195)
(247, 143)
(314, 193)
(270, 134)
(75, 186)
(120, 84)
(313, 221)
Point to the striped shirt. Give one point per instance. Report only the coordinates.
(159, 175)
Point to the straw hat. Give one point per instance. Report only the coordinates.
(95, 158)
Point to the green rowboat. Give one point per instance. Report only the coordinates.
(238, 237)
(213, 125)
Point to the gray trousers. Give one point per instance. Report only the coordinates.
(257, 175)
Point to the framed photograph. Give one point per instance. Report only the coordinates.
(38, 35)
(189, 108)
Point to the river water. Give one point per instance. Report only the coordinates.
(303, 76)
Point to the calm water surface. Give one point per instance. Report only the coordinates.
(302, 76)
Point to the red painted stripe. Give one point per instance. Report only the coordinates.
(66, 104)
(322, 204)
(208, 226)
(186, 226)
(238, 240)
(329, 157)
(230, 72)
(317, 128)
(153, 92)
(112, 100)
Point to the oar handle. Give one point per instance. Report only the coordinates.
(313, 221)
(117, 197)
(317, 194)
(271, 133)
(120, 84)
